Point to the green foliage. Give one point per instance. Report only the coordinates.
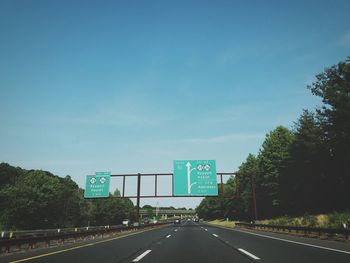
(309, 221)
(210, 207)
(337, 220)
(9, 174)
(272, 158)
(333, 86)
(110, 211)
(332, 220)
(116, 192)
(38, 199)
(282, 221)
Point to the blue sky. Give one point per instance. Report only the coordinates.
(130, 86)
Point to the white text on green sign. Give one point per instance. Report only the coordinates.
(195, 177)
(97, 186)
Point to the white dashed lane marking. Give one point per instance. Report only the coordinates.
(248, 254)
(141, 256)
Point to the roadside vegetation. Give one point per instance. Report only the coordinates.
(36, 199)
(223, 222)
(298, 171)
(332, 220)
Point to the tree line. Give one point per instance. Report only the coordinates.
(302, 170)
(35, 199)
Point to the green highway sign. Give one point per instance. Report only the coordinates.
(195, 177)
(97, 186)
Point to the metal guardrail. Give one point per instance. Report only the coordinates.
(307, 231)
(17, 239)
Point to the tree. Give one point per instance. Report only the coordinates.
(210, 208)
(9, 174)
(273, 155)
(303, 177)
(246, 171)
(304, 171)
(221, 207)
(110, 211)
(38, 199)
(333, 86)
(117, 192)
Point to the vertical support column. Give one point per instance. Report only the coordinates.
(138, 197)
(252, 179)
(172, 182)
(155, 185)
(221, 186)
(237, 186)
(123, 186)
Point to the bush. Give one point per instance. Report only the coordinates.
(336, 220)
(333, 220)
(309, 221)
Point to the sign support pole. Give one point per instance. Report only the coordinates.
(254, 197)
(138, 197)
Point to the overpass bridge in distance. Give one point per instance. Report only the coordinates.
(165, 213)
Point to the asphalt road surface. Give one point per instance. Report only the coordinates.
(195, 243)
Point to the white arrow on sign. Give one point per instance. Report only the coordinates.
(189, 170)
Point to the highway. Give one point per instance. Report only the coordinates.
(192, 242)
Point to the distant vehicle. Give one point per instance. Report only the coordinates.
(136, 224)
(196, 220)
(126, 222)
(177, 222)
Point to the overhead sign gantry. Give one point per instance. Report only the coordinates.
(190, 178)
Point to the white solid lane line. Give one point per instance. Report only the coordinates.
(215, 235)
(168, 236)
(248, 254)
(141, 256)
(296, 242)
